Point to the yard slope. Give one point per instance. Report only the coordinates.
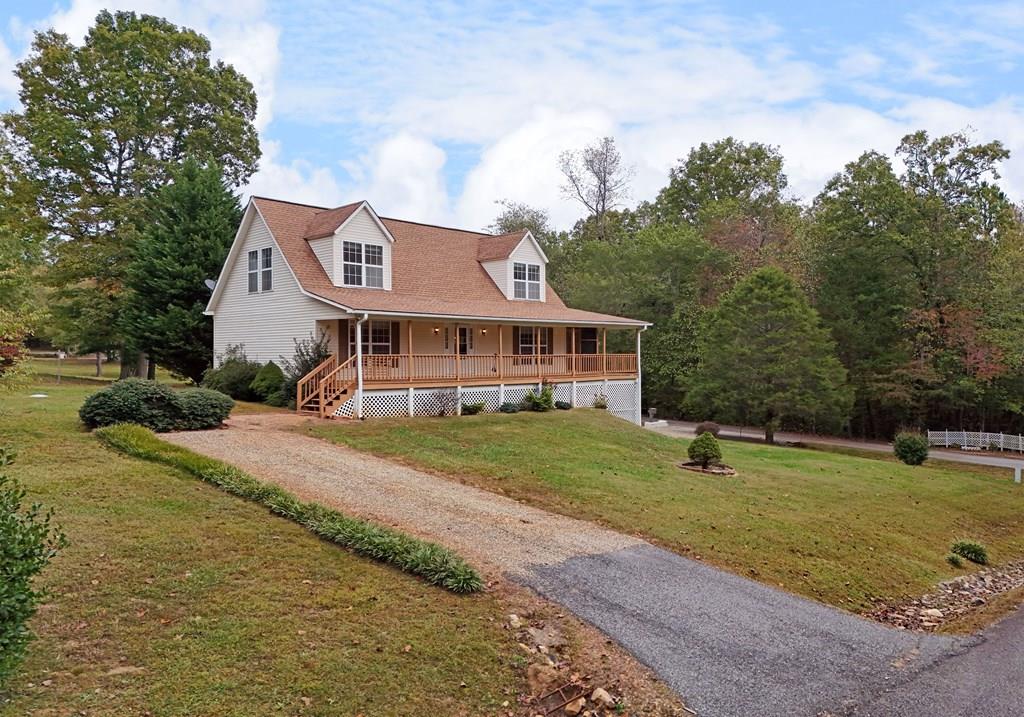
(842, 529)
(175, 598)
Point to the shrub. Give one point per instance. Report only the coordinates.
(911, 448)
(543, 401)
(133, 400)
(563, 405)
(509, 407)
(471, 409)
(433, 563)
(202, 408)
(704, 449)
(601, 401)
(971, 550)
(309, 353)
(234, 376)
(28, 541)
(708, 427)
(268, 382)
(955, 560)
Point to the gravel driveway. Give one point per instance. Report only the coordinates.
(729, 646)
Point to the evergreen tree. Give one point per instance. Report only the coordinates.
(190, 224)
(766, 358)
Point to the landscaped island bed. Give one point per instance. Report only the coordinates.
(175, 598)
(846, 530)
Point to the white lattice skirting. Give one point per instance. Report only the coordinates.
(621, 395)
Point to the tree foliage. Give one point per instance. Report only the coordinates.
(188, 230)
(596, 177)
(124, 108)
(766, 358)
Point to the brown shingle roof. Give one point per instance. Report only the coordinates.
(498, 247)
(327, 221)
(434, 270)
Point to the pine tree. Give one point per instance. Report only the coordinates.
(765, 357)
(190, 224)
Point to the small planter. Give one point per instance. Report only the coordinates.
(719, 469)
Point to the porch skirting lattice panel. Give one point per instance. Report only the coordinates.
(446, 401)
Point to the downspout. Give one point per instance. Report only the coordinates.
(639, 378)
(359, 365)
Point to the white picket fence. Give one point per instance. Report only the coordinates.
(975, 439)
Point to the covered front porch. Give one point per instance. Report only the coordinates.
(397, 353)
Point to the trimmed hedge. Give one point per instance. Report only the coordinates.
(234, 376)
(433, 563)
(202, 408)
(471, 409)
(155, 406)
(133, 400)
(704, 449)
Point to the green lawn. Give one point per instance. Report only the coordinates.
(175, 598)
(81, 369)
(842, 529)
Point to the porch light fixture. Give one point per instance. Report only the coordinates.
(483, 331)
(437, 330)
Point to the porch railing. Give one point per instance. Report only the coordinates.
(417, 368)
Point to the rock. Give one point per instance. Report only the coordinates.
(541, 678)
(576, 706)
(932, 612)
(601, 698)
(547, 637)
(514, 621)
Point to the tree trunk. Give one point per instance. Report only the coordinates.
(142, 367)
(99, 364)
(129, 364)
(151, 371)
(769, 432)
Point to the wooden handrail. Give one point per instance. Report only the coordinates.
(309, 385)
(333, 384)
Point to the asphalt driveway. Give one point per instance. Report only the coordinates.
(728, 645)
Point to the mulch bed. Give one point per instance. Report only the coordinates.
(717, 470)
(952, 599)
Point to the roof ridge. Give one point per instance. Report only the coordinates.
(286, 201)
(341, 206)
(439, 226)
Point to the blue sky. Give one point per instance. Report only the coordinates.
(433, 111)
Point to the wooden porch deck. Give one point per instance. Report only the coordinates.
(332, 381)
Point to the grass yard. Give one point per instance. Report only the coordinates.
(838, 528)
(176, 598)
(81, 369)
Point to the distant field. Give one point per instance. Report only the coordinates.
(83, 368)
(839, 528)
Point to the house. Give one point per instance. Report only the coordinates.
(420, 319)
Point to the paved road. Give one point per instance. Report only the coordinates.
(685, 429)
(730, 647)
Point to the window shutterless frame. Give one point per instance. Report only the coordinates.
(526, 281)
(363, 264)
(254, 271)
(267, 268)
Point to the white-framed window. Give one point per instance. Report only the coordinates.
(261, 269)
(267, 268)
(526, 281)
(379, 337)
(527, 340)
(363, 264)
(254, 271)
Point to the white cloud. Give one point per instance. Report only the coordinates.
(295, 181)
(9, 84)
(403, 177)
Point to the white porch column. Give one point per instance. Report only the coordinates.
(359, 365)
(639, 378)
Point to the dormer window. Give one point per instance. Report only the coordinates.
(363, 264)
(526, 281)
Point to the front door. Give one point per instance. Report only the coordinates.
(465, 346)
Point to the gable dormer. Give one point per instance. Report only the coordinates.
(516, 264)
(353, 246)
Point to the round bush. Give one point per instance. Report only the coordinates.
(708, 427)
(911, 448)
(202, 408)
(972, 550)
(133, 400)
(268, 382)
(704, 450)
(234, 377)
